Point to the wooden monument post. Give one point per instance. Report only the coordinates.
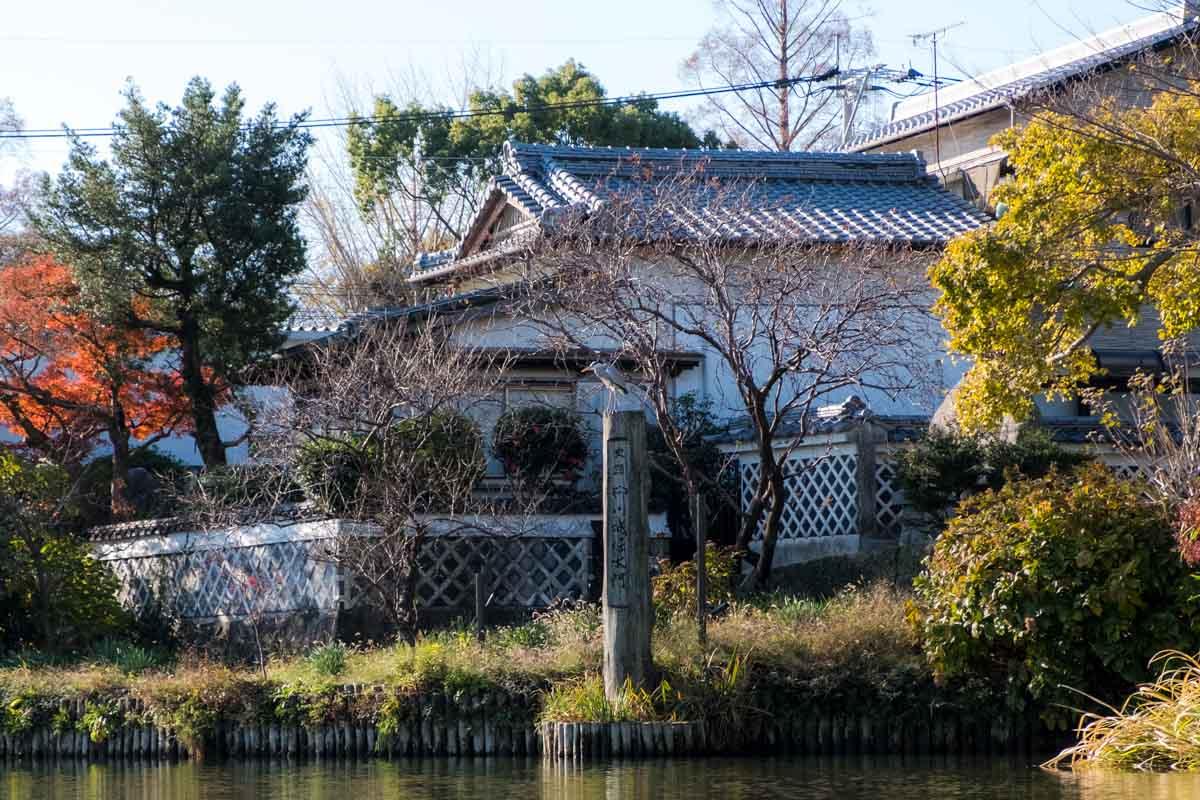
(627, 604)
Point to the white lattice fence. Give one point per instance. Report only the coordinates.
(522, 572)
(1127, 470)
(822, 494)
(273, 571)
(229, 582)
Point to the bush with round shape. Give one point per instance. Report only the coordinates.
(330, 471)
(1053, 586)
(440, 456)
(945, 466)
(431, 460)
(538, 443)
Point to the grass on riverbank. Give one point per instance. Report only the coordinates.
(855, 643)
(860, 629)
(1157, 729)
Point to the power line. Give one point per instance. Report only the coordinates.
(17, 39)
(451, 114)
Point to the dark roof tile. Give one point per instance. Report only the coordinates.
(806, 197)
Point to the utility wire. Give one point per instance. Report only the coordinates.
(450, 114)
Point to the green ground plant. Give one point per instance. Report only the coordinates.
(100, 719)
(1052, 586)
(946, 466)
(328, 660)
(807, 653)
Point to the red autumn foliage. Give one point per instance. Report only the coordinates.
(67, 377)
(1187, 532)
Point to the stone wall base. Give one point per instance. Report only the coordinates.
(797, 551)
(238, 638)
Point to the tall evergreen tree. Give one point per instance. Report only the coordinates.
(419, 169)
(196, 213)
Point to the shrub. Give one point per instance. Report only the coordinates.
(1187, 531)
(667, 492)
(246, 485)
(100, 720)
(537, 443)
(54, 593)
(944, 467)
(95, 485)
(440, 455)
(674, 586)
(330, 472)
(434, 457)
(1060, 581)
(328, 660)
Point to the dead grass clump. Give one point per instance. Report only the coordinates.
(1157, 728)
(863, 628)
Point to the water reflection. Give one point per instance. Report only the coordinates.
(736, 779)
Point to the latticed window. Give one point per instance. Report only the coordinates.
(889, 500)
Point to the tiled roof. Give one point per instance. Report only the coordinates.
(1001, 87)
(138, 529)
(802, 197)
(164, 526)
(1074, 430)
(897, 427)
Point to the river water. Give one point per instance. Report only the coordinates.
(752, 779)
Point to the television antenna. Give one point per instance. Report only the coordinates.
(933, 37)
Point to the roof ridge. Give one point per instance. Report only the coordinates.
(515, 149)
(523, 160)
(1015, 80)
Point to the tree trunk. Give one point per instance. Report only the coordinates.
(785, 122)
(762, 569)
(199, 391)
(121, 504)
(41, 592)
(769, 502)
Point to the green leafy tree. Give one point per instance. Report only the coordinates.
(1053, 586)
(54, 593)
(1097, 229)
(422, 166)
(196, 213)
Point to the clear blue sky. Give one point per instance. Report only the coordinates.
(67, 61)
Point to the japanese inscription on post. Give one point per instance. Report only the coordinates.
(616, 520)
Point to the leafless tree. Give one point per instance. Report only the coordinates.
(781, 43)
(787, 326)
(363, 239)
(373, 429)
(12, 197)
(1156, 426)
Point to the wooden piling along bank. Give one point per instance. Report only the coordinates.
(494, 723)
